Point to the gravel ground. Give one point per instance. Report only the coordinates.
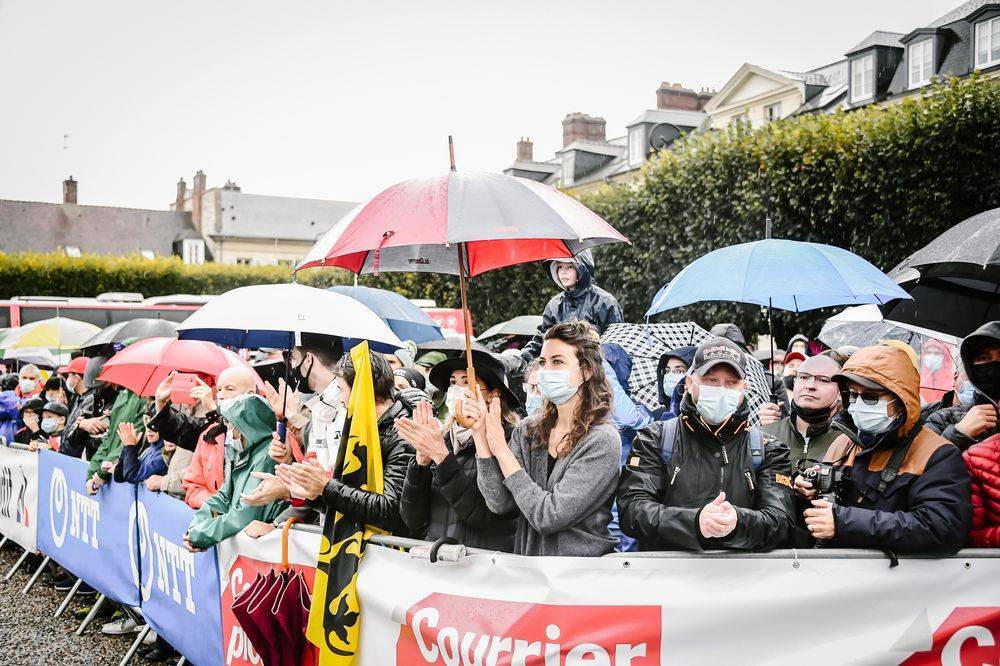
(30, 636)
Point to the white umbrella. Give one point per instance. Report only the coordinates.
(863, 325)
(42, 356)
(276, 315)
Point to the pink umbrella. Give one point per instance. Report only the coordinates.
(141, 366)
(460, 223)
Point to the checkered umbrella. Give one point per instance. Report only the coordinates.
(645, 343)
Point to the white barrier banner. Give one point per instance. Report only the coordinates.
(19, 496)
(504, 609)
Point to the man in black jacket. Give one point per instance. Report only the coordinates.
(708, 479)
(579, 299)
(966, 424)
(308, 480)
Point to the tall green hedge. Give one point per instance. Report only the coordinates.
(880, 181)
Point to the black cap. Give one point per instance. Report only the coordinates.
(714, 351)
(412, 377)
(56, 408)
(730, 331)
(33, 405)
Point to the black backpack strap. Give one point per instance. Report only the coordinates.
(755, 440)
(891, 470)
(668, 436)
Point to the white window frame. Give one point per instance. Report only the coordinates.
(990, 29)
(193, 251)
(920, 54)
(636, 146)
(567, 170)
(742, 117)
(776, 108)
(865, 88)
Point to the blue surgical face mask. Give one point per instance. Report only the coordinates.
(533, 403)
(967, 396)
(670, 382)
(554, 385)
(49, 426)
(717, 403)
(233, 443)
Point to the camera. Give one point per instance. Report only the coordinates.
(828, 480)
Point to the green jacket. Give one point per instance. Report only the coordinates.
(224, 514)
(818, 444)
(128, 408)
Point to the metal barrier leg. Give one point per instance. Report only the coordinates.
(17, 565)
(38, 572)
(3, 541)
(183, 660)
(135, 646)
(91, 615)
(69, 597)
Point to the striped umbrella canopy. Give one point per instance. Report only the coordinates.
(495, 220)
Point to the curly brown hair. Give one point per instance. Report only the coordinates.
(595, 393)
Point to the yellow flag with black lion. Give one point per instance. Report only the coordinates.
(335, 617)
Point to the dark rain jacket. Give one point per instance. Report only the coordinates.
(660, 504)
(373, 509)
(443, 500)
(926, 509)
(586, 302)
(943, 421)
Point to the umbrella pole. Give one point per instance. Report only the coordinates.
(770, 335)
(466, 316)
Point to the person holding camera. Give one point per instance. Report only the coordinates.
(904, 488)
(708, 479)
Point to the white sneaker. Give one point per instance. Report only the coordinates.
(126, 625)
(150, 637)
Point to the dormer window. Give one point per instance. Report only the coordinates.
(193, 251)
(988, 43)
(862, 77)
(636, 146)
(921, 62)
(567, 170)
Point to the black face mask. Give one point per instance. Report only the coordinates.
(813, 415)
(297, 381)
(986, 378)
(788, 381)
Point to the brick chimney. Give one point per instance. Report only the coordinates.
(197, 190)
(580, 126)
(676, 96)
(181, 195)
(525, 150)
(69, 191)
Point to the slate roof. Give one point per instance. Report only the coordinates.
(31, 226)
(243, 215)
(959, 13)
(878, 38)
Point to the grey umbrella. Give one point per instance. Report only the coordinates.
(452, 345)
(129, 331)
(525, 325)
(954, 280)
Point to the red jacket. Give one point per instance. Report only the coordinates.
(983, 461)
(205, 474)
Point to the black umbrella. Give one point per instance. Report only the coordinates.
(954, 279)
(125, 332)
(525, 326)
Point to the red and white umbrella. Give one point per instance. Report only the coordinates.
(463, 224)
(418, 225)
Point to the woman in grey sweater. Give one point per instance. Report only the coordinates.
(561, 466)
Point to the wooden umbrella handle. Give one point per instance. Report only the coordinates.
(284, 541)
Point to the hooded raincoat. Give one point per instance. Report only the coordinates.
(944, 421)
(586, 302)
(224, 514)
(926, 507)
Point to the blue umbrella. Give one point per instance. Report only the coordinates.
(405, 319)
(783, 274)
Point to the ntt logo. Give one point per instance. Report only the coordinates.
(157, 559)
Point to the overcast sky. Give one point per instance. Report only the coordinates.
(337, 100)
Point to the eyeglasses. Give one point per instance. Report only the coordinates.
(676, 371)
(867, 398)
(821, 380)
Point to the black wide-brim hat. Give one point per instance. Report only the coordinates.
(488, 368)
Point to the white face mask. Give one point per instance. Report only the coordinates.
(455, 394)
(234, 443)
(717, 403)
(27, 385)
(873, 419)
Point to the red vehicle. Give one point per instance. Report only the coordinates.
(102, 311)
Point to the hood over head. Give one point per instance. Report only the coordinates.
(890, 368)
(987, 334)
(797, 338)
(584, 263)
(251, 414)
(619, 360)
(729, 331)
